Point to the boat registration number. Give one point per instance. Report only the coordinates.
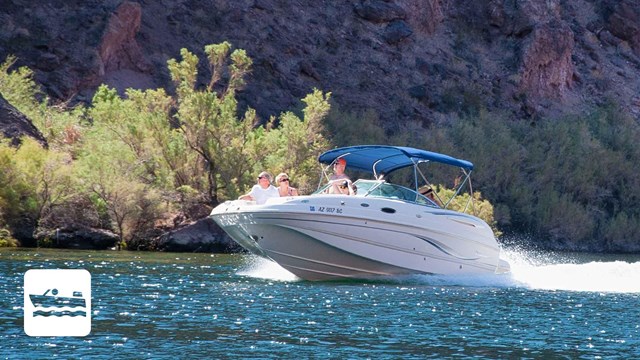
(325, 209)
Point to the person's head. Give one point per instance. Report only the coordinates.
(282, 178)
(339, 165)
(347, 188)
(344, 187)
(264, 179)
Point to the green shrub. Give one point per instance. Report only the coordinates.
(60, 125)
(33, 181)
(351, 128)
(18, 88)
(6, 240)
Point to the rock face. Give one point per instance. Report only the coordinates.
(119, 48)
(14, 124)
(79, 239)
(546, 68)
(202, 236)
(371, 54)
(122, 62)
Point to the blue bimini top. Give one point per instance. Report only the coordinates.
(382, 159)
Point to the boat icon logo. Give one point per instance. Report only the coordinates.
(50, 304)
(57, 302)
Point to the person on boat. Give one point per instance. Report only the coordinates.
(338, 177)
(261, 191)
(428, 192)
(346, 187)
(338, 170)
(284, 188)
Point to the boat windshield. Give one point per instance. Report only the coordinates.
(380, 188)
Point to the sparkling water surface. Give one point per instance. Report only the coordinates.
(168, 305)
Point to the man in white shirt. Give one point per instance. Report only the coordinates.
(262, 191)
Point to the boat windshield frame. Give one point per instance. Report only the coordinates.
(413, 158)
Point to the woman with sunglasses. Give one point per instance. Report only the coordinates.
(261, 191)
(284, 188)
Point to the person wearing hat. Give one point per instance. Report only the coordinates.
(338, 170)
(340, 182)
(261, 191)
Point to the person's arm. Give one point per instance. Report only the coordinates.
(334, 188)
(248, 196)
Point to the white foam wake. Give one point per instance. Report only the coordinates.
(546, 271)
(261, 268)
(568, 274)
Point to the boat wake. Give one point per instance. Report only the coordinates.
(261, 268)
(573, 275)
(529, 270)
(540, 271)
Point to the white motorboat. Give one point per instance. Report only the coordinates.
(385, 229)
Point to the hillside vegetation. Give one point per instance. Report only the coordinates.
(130, 164)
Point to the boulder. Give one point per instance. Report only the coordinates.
(203, 235)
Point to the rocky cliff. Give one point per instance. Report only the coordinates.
(407, 60)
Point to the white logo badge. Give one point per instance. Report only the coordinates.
(57, 302)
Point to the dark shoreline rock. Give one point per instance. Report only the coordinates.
(79, 239)
(203, 235)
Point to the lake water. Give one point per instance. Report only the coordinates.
(168, 305)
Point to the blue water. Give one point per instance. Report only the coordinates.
(158, 305)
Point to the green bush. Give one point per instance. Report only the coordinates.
(565, 179)
(351, 128)
(18, 87)
(33, 181)
(6, 240)
(60, 125)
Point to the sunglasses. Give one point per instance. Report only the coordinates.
(281, 180)
(263, 177)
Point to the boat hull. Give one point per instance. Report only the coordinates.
(330, 237)
(56, 301)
